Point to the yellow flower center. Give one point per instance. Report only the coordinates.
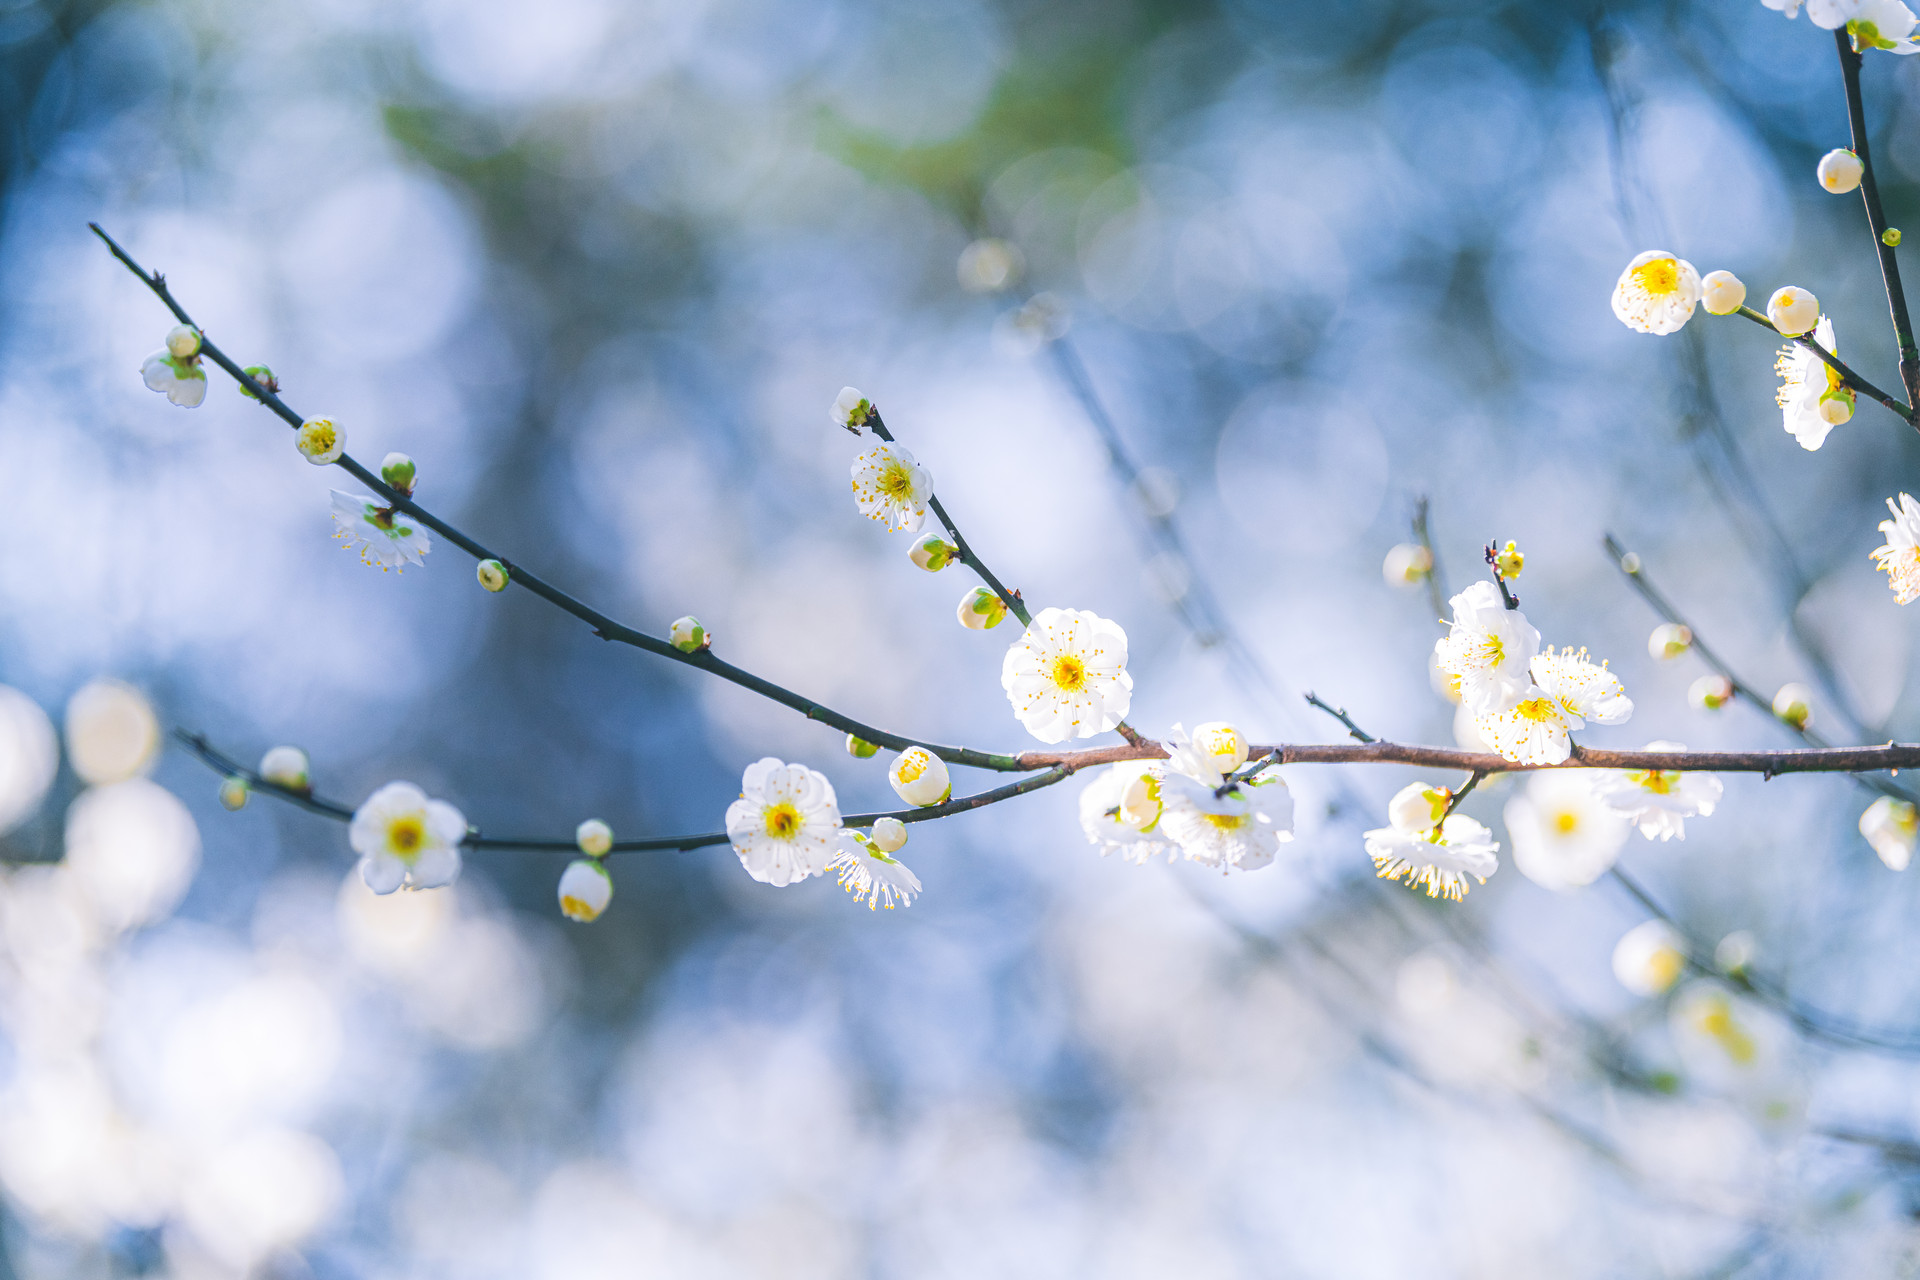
(1718, 1022)
(1539, 710)
(406, 835)
(1659, 781)
(1228, 821)
(1566, 822)
(896, 482)
(1070, 673)
(1493, 650)
(783, 821)
(911, 766)
(575, 908)
(1658, 277)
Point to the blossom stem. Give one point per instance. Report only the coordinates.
(603, 626)
(1466, 789)
(1340, 714)
(1507, 597)
(1629, 565)
(1877, 220)
(1436, 582)
(965, 553)
(1835, 363)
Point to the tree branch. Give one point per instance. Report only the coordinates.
(1877, 222)
(1847, 375)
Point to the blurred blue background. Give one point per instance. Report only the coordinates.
(600, 269)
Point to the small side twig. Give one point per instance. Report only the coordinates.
(1340, 714)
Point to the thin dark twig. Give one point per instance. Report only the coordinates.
(1877, 223)
(603, 626)
(1340, 714)
(1834, 362)
(1507, 597)
(1436, 582)
(1465, 790)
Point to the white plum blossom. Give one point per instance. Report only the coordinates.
(383, 536)
(786, 824)
(1649, 958)
(871, 875)
(1120, 811)
(1567, 691)
(1563, 835)
(594, 837)
(1840, 171)
(1066, 675)
(889, 835)
(286, 767)
(1236, 826)
(851, 410)
(1873, 24)
(1439, 858)
(585, 890)
(920, 778)
(981, 609)
(1222, 741)
(320, 441)
(1722, 292)
(889, 486)
(1812, 399)
(1793, 310)
(1899, 558)
(1486, 653)
(1418, 807)
(182, 380)
(403, 837)
(1656, 293)
(1891, 826)
(1658, 801)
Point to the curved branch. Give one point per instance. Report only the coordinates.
(604, 627)
(1835, 363)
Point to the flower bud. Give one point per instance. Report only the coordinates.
(689, 636)
(1710, 693)
(1668, 641)
(493, 575)
(397, 470)
(262, 375)
(1794, 704)
(1650, 958)
(859, 748)
(889, 835)
(594, 838)
(1793, 310)
(320, 440)
(585, 890)
(233, 793)
(1140, 803)
(286, 767)
(1839, 171)
(183, 382)
(1509, 562)
(920, 778)
(183, 342)
(1721, 293)
(851, 410)
(1223, 742)
(1836, 406)
(989, 265)
(1407, 565)
(1418, 807)
(932, 552)
(981, 610)
(1890, 826)
(1890, 237)
(1735, 952)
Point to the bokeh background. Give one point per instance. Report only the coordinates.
(601, 268)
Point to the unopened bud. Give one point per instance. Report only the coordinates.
(1407, 565)
(981, 610)
(1721, 293)
(889, 835)
(262, 375)
(233, 792)
(1836, 406)
(594, 838)
(1223, 742)
(932, 552)
(1891, 827)
(689, 636)
(1508, 562)
(851, 410)
(397, 470)
(183, 382)
(1793, 310)
(1669, 640)
(183, 342)
(320, 440)
(1839, 171)
(493, 575)
(859, 748)
(585, 890)
(920, 778)
(1710, 693)
(1794, 704)
(286, 767)
(1735, 952)
(1890, 237)
(1650, 958)
(1418, 807)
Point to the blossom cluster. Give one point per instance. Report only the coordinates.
(1199, 804)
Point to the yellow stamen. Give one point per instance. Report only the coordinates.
(1658, 277)
(1566, 822)
(783, 821)
(406, 835)
(1069, 673)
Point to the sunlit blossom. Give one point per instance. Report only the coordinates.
(1487, 650)
(1899, 557)
(1722, 292)
(786, 824)
(384, 537)
(889, 486)
(1564, 835)
(320, 441)
(1793, 310)
(1066, 675)
(1656, 293)
(872, 875)
(1567, 691)
(1236, 826)
(1890, 826)
(1812, 398)
(920, 778)
(1658, 801)
(1439, 858)
(403, 837)
(1840, 171)
(1418, 807)
(1120, 811)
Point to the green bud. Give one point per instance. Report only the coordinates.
(233, 792)
(397, 470)
(981, 610)
(932, 552)
(1890, 237)
(859, 748)
(688, 636)
(493, 575)
(262, 375)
